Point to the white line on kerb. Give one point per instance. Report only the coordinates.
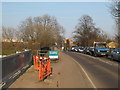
(86, 75)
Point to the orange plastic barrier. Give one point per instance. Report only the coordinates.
(42, 64)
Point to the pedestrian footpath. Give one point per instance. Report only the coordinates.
(66, 74)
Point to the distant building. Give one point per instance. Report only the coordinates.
(112, 45)
(69, 41)
(13, 40)
(67, 44)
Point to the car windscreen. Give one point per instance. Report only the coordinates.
(100, 45)
(45, 49)
(119, 50)
(81, 48)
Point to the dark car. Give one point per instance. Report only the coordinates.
(86, 50)
(44, 51)
(73, 48)
(81, 49)
(76, 49)
(91, 51)
(115, 54)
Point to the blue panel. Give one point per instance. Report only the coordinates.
(53, 53)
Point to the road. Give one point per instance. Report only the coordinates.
(101, 72)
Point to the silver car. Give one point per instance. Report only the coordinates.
(115, 54)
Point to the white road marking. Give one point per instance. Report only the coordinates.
(108, 62)
(86, 75)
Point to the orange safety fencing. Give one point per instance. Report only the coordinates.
(42, 64)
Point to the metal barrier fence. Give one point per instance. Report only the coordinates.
(53, 55)
(41, 53)
(11, 64)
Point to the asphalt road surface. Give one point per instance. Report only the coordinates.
(101, 72)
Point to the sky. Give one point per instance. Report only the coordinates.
(67, 14)
(0, 12)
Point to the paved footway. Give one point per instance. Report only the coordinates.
(66, 74)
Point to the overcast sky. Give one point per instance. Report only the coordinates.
(67, 13)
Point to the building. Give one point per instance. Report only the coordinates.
(69, 41)
(13, 40)
(67, 44)
(112, 45)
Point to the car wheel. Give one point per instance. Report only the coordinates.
(92, 54)
(107, 56)
(112, 57)
(95, 55)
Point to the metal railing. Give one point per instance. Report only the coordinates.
(43, 53)
(13, 63)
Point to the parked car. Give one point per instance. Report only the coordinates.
(73, 48)
(81, 49)
(91, 50)
(44, 50)
(100, 49)
(86, 50)
(76, 49)
(115, 54)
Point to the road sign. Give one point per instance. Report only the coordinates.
(53, 54)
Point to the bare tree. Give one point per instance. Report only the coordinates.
(115, 11)
(8, 33)
(86, 32)
(43, 30)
